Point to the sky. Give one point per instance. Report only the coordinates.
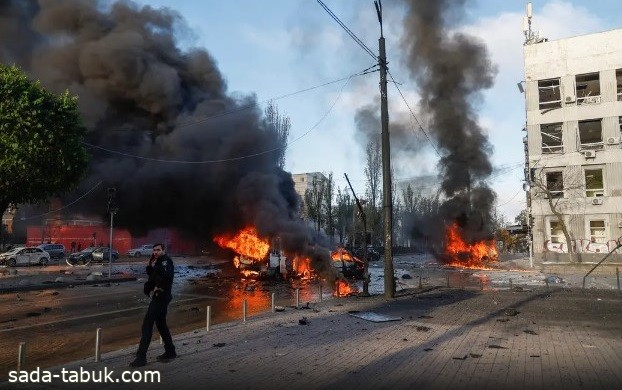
(273, 48)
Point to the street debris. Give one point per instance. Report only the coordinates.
(375, 317)
(425, 316)
(475, 355)
(219, 345)
(460, 358)
(423, 328)
(495, 346)
(429, 349)
(303, 321)
(510, 312)
(529, 331)
(503, 319)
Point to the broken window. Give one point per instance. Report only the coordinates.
(594, 184)
(552, 138)
(556, 234)
(591, 134)
(550, 96)
(619, 83)
(597, 232)
(555, 184)
(588, 88)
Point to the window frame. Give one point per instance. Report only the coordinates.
(552, 149)
(555, 194)
(591, 145)
(561, 239)
(589, 99)
(595, 192)
(549, 104)
(594, 238)
(619, 83)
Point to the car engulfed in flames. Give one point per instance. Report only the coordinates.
(256, 258)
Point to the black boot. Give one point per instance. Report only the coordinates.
(167, 356)
(139, 361)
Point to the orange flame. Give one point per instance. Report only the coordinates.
(344, 289)
(246, 242)
(341, 253)
(465, 255)
(302, 266)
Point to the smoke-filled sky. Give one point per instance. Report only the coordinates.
(279, 46)
(165, 69)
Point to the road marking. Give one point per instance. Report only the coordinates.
(196, 297)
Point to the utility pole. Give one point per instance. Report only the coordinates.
(365, 261)
(112, 208)
(389, 280)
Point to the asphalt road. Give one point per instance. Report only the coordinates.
(59, 325)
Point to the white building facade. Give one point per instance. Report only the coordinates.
(573, 99)
(304, 182)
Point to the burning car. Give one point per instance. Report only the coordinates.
(347, 264)
(255, 257)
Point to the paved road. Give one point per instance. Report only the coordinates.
(447, 338)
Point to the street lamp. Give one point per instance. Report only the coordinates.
(112, 208)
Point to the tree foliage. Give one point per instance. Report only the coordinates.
(279, 125)
(41, 153)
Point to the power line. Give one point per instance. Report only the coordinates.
(233, 158)
(65, 206)
(413, 115)
(249, 106)
(347, 30)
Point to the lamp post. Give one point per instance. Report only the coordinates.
(112, 208)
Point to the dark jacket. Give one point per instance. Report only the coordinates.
(160, 275)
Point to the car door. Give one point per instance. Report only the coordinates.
(23, 256)
(35, 255)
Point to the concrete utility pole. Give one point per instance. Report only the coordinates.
(387, 202)
(112, 208)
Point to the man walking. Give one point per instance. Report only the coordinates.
(158, 287)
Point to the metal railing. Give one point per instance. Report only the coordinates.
(600, 262)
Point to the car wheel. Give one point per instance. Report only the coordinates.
(43, 261)
(11, 263)
(137, 254)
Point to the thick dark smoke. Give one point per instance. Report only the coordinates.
(141, 95)
(451, 70)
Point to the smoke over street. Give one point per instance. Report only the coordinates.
(451, 70)
(200, 169)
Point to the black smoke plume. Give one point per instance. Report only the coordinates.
(451, 69)
(141, 95)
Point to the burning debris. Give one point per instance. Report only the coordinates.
(344, 289)
(256, 258)
(347, 264)
(459, 253)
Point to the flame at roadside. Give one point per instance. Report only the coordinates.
(344, 289)
(458, 253)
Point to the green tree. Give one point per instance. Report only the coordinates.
(41, 153)
(279, 125)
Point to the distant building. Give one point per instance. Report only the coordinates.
(573, 95)
(304, 182)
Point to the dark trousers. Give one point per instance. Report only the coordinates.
(156, 313)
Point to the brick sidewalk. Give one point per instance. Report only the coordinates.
(448, 338)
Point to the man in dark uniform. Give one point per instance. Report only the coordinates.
(158, 287)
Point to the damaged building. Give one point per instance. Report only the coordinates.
(573, 98)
